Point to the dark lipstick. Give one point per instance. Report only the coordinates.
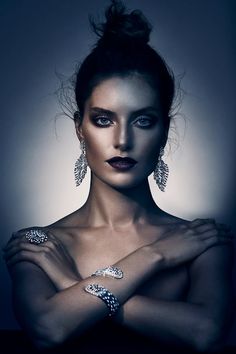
(122, 163)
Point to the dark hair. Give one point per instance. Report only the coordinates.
(123, 49)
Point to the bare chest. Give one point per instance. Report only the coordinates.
(90, 254)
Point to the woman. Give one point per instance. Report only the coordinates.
(119, 260)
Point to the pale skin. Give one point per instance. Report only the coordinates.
(165, 292)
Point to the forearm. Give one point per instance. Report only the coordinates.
(73, 310)
(170, 322)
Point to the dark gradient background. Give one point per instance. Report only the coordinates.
(39, 38)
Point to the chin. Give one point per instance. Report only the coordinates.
(127, 182)
(123, 180)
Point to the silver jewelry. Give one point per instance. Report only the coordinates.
(81, 165)
(36, 236)
(105, 295)
(110, 271)
(161, 172)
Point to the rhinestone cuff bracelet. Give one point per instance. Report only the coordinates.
(105, 295)
(112, 272)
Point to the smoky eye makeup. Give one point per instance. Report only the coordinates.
(101, 120)
(145, 121)
(141, 119)
(101, 117)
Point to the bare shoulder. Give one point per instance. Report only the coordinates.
(167, 218)
(211, 282)
(67, 227)
(218, 258)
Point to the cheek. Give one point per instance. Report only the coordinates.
(96, 144)
(149, 144)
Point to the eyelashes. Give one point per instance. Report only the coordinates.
(102, 121)
(143, 122)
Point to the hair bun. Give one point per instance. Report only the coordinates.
(122, 26)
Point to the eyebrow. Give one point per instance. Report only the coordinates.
(139, 111)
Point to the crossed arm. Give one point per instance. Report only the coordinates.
(51, 312)
(201, 322)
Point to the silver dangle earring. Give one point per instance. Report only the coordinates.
(161, 172)
(81, 165)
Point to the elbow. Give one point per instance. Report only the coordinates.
(209, 337)
(45, 342)
(45, 335)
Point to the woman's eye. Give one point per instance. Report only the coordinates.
(102, 121)
(144, 122)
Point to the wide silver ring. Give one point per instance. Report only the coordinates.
(36, 236)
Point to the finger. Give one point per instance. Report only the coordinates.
(9, 241)
(12, 242)
(24, 255)
(23, 232)
(166, 228)
(216, 232)
(211, 225)
(198, 222)
(230, 235)
(22, 236)
(217, 236)
(226, 236)
(219, 240)
(223, 227)
(53, 237)
(16, 240)
(23, 246)
(20, 233)
(55, 242)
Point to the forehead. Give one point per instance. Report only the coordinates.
(124, 93)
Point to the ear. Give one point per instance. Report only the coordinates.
(78, 126)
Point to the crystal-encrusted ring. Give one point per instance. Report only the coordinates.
(110, 271)
(36, 236)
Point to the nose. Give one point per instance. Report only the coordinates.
(123, 137)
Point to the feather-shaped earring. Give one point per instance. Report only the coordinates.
(81, 165)
(161, 172)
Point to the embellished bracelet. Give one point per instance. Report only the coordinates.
(105, 295)
(112, 272)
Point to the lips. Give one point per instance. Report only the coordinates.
(122, 163)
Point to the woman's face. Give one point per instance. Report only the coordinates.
(122, 118)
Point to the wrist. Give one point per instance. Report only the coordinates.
(66, 283)
(119, 316)
(154, 256)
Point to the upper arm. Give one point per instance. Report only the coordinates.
(211, 283)
(31, 287)
(30, 284)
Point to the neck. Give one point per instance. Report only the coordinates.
(110, 206)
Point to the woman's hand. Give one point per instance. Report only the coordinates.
(182, 242)
(51, 256)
